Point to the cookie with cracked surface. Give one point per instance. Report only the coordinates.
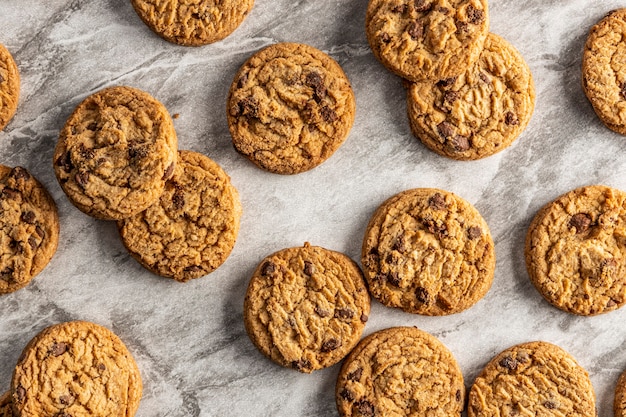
(604, 70)
(6, 405)
(619, 401)
(427, 39)
(428, 251)
(76, 369)
(115, 153)
(29, 228)
(478, 113)
(193, 23)
(289, 108)
(535, 378)
(9, 86)
(576, 250)
(400, 371)
(191, 230)
(306, 307)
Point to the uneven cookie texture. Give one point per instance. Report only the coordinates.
(193, 22)
(6, 405)
(535, 378)
(192, 228)
(604, 70)
(478, 113)
(29, 228)
(428, 251)
(427, 39)
(619, 401)
(576, 250)
(115, 153)
(76, 369)
(289, 108)
(306, 307)
(9, 86)
(401, 371)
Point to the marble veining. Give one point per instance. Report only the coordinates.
(189, 339)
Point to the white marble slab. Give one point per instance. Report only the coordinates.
(189, 339)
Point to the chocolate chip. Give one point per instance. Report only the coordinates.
(365, 408)
(508, 363)
(550, 405)
(510, 119)
(315, 81)
(459, 143)
(401, 9)
(82, 178)
(394, 279)
(484, 78)
(6, 273)
(385, 38)
(328, 114)
(347, 395)
(19, 173)
(168, 172)
(321, 312)
(1, 79)
(137, 152)
(16, 246)
(450, 97)
(301, 365)
(330, 345)
(93, 126)
(355, 376)
(446, 130)
(422, 5)
(33, 242)
(57, 349)
(446, 82)
(178, 199)
(581, 222)
(247, 107)
(193, 269)
(437, 202)
(400, 244)
(611, 303)
(65, 161)
(623, 91)
(268, 268)
(422, 295)
(309, 268)
(380, 278)
(20, 393)
(343, 313)
(28, 217)
(458, 395)
(443, 10)
(438, 229)
(474, 15)
(242, 80)
(102, 367)
(415, 30)
(10, 193)
(66, 399)
(474, 232)
(462, 27)
(40, 232)
(364, 318)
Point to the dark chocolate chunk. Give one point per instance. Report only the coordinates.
(268, 268)
(623, 91)
(474, 232)
(242, 80)
(247, 107)
(315, 81)
(400, 244)
(446, 129)
(19, 173)
(458, 395)
(510, 119)
(438, 229)
(415, 30)
(446, 82)
(508, 363)
(301, 364)
(33, 242)
(581, 222)
(347, 395)
(82, 178)
(66, 399)
(422, 295)
(437, 202)
(20, 393)
(65, 161)
(484, 78)
(178, 199)
(1, 79)
(394, 279)
(57, 349)
(364, 318)
(309, 268)
(330, 345)
(343, 313)
(137, 152)
(328, 114)
(102, 367)
(385, 38)
(365, 408)
(551, 405)
(459, 143)
(422, 5)
(450, 97)
(401, 9)
(474, 15)
(321, 311)
(28, 217)
(10, 193)
(40, 232)
(194, 269)
(355, 376)
(93, 126)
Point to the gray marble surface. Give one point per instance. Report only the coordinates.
(189, 339)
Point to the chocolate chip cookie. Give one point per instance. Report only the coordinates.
(576, 250)
(427, 39)
(290, 107)
(428, 251)
(619, 401)
(306, 307)
(478, 113)
(29, 228)
(604, 70)
(192, 228)
(6, 405)
(535, 378)
(76, 369)
(115, 153)
(9, 86)
(401, 371)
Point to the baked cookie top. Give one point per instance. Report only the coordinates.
(535, 378)
(401, 371)
(193, 22)
(604, 70)
(9, 86)
(6, 405)
(478, 113)
(115, 153)
(428, 251)
(290, 107)
(76, 369)
(29, 228)
(306, 307)
(576, 253)
(619, 401)
(192, 228)
(427, 39)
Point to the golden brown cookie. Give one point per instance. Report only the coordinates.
(478, 113)
(401, 371)
(428, 251)
(604, 70)
(306, 307)
(29, 228)
(619, 401)
(9, 86)
(76, 369)
(6, 405)
(576, 250)
(192, 22)
(115, 153)
(534, 379)
(192, 228)
(290, 107)
(427, 39)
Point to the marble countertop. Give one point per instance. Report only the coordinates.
(189, 339)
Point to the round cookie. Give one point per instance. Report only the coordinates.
(29, 228)
(192, 228)
(115, 153)
(427, 39)
(192, 23)
(576, 250)
(289, 108)
(9, 86)
(401, 371)
(306, 307)
(478, 113)
(619, 402)
(604, 70)
(428, 251)
(6, 405)
(76, 369)
(535, 378)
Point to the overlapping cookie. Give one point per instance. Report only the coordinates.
(9, 86)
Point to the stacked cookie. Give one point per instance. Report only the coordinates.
(74, 369)
(470, 93)
(117, 159)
